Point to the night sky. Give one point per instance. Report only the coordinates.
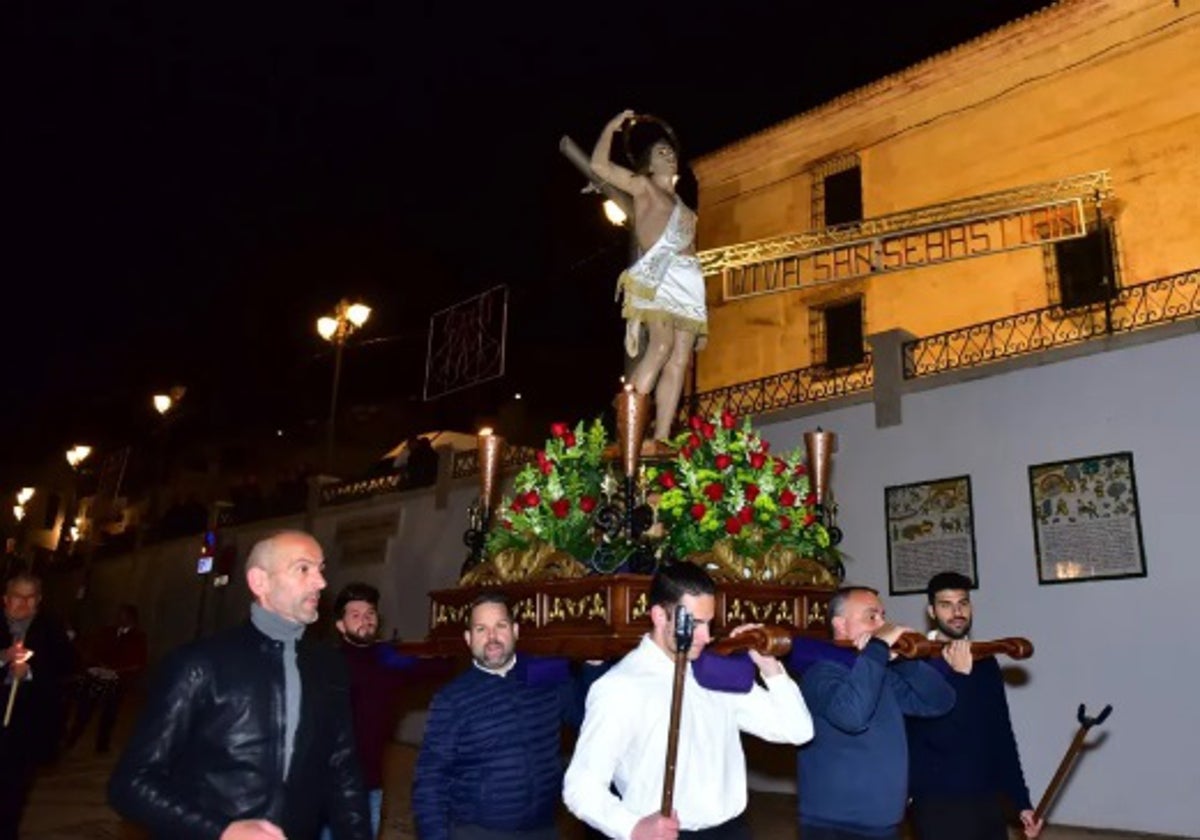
(187, 186)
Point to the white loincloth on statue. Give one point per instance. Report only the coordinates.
(665, 285)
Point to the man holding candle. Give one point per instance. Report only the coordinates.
(37, 661)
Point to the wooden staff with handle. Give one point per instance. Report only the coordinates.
(684, 626)
(1064, 766)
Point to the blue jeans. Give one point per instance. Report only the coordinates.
(375, 803)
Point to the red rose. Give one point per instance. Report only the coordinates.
(517, 505)
(766, 446)
(728, 421)
(809, 519)
(784, 523)
(810, 499)
(587, 504)
(532, 499)
(507, 525)
(694, 441)
(558, 429)
(732, 525)
(667, 479)
(745, 515)
(715, 491)
(787, 498)
(698, 511)
(696, 423)
(780, 466)
(723, 462)
(757, 459)
(544, 463)
(752, 492)
(561, 508)
(686, 451)
(569, 439)
(801, 469)
(708, 430)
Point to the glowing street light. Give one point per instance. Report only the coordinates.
(347, 318)
(24, 495)
(614, 213)
(77, 454)
(165, 402)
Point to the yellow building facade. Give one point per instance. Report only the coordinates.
(960, 191)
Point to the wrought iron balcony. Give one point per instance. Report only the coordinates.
(781, 390)
(1136, 307)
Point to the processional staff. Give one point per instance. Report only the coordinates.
(1068, 760)
(684, 626)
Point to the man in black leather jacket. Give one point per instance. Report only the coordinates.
(247, 735)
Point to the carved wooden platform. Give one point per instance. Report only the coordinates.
(604, 616)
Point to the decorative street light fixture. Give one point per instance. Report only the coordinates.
(347, 318)
(77, 454)
(165, 402)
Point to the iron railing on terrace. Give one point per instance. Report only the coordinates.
(781, 390)
(345, 492)
(1156, 302)
(466, 463)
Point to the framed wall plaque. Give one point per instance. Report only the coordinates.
(1086, 520)
(931, 529)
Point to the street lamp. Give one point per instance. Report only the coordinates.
(614, 213)
(77, 454)
(165, 402)
(346, 319)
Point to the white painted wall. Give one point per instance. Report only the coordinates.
(1127, 642)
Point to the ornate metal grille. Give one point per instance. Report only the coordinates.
(1088, 185)
(781, 390)
(466, 463)
(1135, 307)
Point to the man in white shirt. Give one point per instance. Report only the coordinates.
(624, 736)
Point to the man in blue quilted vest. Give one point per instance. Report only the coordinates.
(490, 764)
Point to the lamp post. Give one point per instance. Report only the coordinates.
(76, 455)
(346, 319)
(22, 499)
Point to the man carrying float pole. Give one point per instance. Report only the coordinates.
(627, 723)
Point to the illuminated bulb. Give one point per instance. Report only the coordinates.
(614, 213)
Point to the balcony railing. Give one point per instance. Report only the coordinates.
(1148, 304)
(466, 463)
(781, 390)
(352, 491)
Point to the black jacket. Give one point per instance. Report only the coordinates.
(37, 715)
(209, 746)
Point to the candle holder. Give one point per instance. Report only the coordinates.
(633, 412)
(490, 448)
(819, 447)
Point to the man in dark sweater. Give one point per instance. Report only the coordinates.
(376, 674)
(964, 762)
(853, 781)
(490, 764)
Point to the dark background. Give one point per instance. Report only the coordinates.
(187, 186)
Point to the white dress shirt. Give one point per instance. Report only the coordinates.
(624, 741)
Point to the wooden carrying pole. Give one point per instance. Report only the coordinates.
(683, 643)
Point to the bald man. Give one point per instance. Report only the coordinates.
(247, 735)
